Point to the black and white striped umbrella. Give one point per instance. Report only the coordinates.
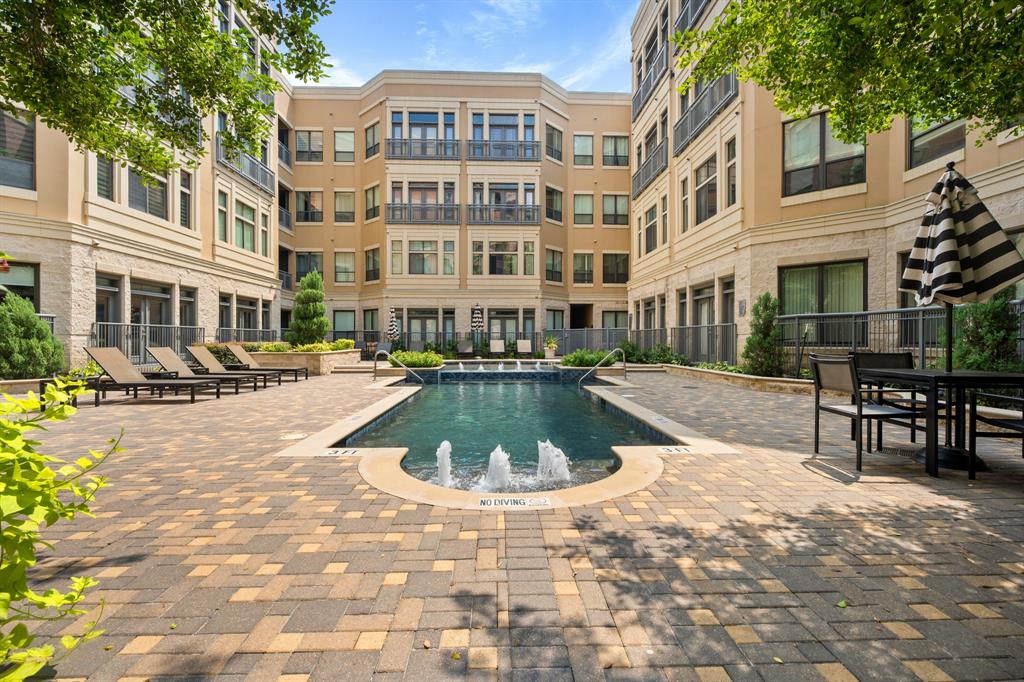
(393, 330)
(961, 254)
(476, 321)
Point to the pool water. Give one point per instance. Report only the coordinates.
(477, 417)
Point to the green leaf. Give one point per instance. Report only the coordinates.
(842, 604)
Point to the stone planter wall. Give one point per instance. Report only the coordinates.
(317, 363)
(769, 384)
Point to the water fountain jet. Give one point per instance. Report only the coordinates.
(552, 464)
(444, 464)
(499, 471)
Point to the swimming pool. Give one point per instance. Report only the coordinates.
(477, 417)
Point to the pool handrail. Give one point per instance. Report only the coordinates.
(392, 357)
(593, 369)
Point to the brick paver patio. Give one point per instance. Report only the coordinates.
(217, 559)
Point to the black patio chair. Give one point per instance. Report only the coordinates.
(1010, 427)
(838, 374)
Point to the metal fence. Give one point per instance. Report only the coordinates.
(705, 343)
(133, 339)
(49, 319)
(232, 334)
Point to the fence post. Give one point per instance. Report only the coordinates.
(798, 351)
(853, 332)
(920, 339)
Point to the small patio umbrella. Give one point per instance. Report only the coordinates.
(961, 254)
(476, 322)
(393, 331)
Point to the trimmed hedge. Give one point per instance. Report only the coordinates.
(413, 359)
(28, 349)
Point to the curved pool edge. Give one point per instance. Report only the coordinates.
(641, 465)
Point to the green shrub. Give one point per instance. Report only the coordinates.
(38, 490)
(251, 346)
(89, 369)
(986, 336)
(584, 357)
(632, 351)
(318, 347)
(663, 354)
(223, 355)
(343, 344)
(28, 349)
(414, 359)
(274, 347)
(763, 354)
(720, 367)
(309, 322)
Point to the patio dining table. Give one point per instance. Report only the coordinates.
(956, 384)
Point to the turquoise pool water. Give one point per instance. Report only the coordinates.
(477, 417)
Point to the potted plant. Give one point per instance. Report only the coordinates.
(550, 346)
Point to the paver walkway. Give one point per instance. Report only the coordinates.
(217, 559)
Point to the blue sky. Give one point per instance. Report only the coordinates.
(581, 44)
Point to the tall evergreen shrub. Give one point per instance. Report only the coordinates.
(28, 349)
(309, 322)
(763, 354)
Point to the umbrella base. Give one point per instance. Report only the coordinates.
(953, 458)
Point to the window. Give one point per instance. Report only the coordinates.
(553, 142)
(582, 268)
(372, 140)
(344, 146)
(615, 209)
(371, 320)
(396, 125)
(502, 258)
(528, 257)
(664, 219)
(264, 234)
(104, 177)
(309, 206)
(449, 125)
(108, 299)
(372, 196)
(344, 320)
(309, 145)
(681, 320)
(553, 201)
(23, 280)
(344, 267)
(396, 256)
(552, 265)
(308, 261)
(583, 150)
(615, 268)
(245, 226)
(423, 257)
(651, 229)
(449, 257)
(615, 150)
(706, 182)
(583, 209)
(185, 199)
(555, 319)
(613, 319)
(806, 169)
(823, 288)
(18, 150)
(344, 207)
(147, 194)
(684, 205)
(730, 172)
(478, 258)
(222, 216)
(931, 142)
(478, 127)
(372, 263)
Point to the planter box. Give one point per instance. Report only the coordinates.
(317, 363)
(19, 386)
(769, 384)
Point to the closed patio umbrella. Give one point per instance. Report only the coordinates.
(393, 331)
(961, 254)
(476, 322)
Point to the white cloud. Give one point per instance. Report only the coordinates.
(336, 74)
(612, 52)
(520, 65)
(501, 18)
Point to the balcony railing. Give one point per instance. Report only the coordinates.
(285, 278)
(266, 97)
(655, 71)
(421, 149)
(248, 166)
(503, 150)
(706, 342)
(344, 216)
(690, 14)
(284, 217)
(650, 168)
(133, 339)
(49, 319)
(372, 275)
(284, 155)
(504, 214)
(309, 216)
(552, 275)
(703, 111)
(430, 214)
(232, 334)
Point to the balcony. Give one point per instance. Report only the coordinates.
(239, 334)
(651, 168)
(690, 14)
(655, 70)
(503, 150)
(248, 166)
(284, 155)
(285, 278)
(702, 112)
(443, 150)
(284, 218)
(425, 214)
(504, 214)
(265, 97)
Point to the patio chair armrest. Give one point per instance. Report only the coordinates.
(1009, 398)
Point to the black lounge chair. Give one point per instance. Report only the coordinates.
(205, 358)
(248, 362)
(123, 374)
(1010, 427)
(172, 362)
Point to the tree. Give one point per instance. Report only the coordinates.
(872, 61)
(987, 335)
(309, 316)
(763, 354)
(131, 81)
(28, 349)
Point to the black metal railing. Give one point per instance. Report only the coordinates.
(503, 150)
(553, 213)
(430, 214)
(503, 214)
(615, 219)
(656, 162)
(233, 334)
(703, 111)
(285, 278)
(705, 342)
(552, 275)
(133, 339)
(284, 155)
(248, 166)
(655, 70)
(284, 217)
(648, 338)
(395, 148)
(309, 216)
(554, 152)
(690, 14)
(372, 275)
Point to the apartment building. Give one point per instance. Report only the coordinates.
(427, 192)
(730, 198)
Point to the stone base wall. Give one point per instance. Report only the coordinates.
(318, 364)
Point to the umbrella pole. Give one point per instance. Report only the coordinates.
(949, 337)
